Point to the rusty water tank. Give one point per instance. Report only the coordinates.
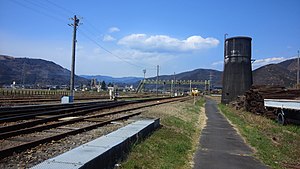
(237, 74)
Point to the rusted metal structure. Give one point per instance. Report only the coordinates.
(237, 74)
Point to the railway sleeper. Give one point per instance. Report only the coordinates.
(25, 146)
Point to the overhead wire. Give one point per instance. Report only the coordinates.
(37, 11)
(45, 7)
(95, 33)
(67, 11)
(95, 29)
(36, 7)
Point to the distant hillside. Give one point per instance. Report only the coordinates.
(197, 74)
(283, 74)
(42, 72)
(109, 79)
(34, 71)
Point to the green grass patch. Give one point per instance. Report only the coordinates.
(277, 146)
(172, 145)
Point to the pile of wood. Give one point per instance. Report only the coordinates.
(239, 103)
(254, 98)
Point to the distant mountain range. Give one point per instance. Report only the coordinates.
(34, 71)
(197, 74)
(42, 72)
(283, 74)
(109, 79)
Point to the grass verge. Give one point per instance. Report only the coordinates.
(173, 145)
(276, 145)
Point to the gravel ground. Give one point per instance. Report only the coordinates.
(15, 122)
(43, 152)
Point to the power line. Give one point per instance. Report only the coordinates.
(91, 25)
(90, 32)
(39, 8)
(70, 12)
(37, 11)
(93, 33)
(39, 4)
(67, 11)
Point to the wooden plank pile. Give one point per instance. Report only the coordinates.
(254, 98)
(239, 103)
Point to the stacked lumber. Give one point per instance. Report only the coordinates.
(254, 101)
(239, 103)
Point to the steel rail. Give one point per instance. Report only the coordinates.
(16, 149)
(33, 113)
(84, 111)
(77, 112)
(19, 148)
(25, 108)
(14, 132)
(37, 100)
(29, 108)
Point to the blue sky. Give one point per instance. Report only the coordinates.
(123, 37)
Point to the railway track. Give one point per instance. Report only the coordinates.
(23, 113)
(18, 137)
(29, 100)
(8, 114)
(10, 101)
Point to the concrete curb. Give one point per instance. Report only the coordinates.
(103, 152)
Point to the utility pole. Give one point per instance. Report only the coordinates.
(171, 91)
(298, 85)
(190, 87)
(144, 71)
(174, 87)
(74, 25)
(157, 80)
(210, 78)
(23, 74)
(210, 81)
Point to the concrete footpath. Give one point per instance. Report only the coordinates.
(221, 146)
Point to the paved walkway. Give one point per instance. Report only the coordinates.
(221, 146)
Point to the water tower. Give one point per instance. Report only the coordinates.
(237, 74)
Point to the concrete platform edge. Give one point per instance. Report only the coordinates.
(91, 155)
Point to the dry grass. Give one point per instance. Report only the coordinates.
(173, 145)
(277, 146)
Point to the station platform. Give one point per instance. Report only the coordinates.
(105, 151)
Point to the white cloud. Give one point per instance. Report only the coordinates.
(217, 63)
(113, 29)
(108, 38)
(141, 56)
(261, 62)
(164, 43)
(97, 51)
(79, 48)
